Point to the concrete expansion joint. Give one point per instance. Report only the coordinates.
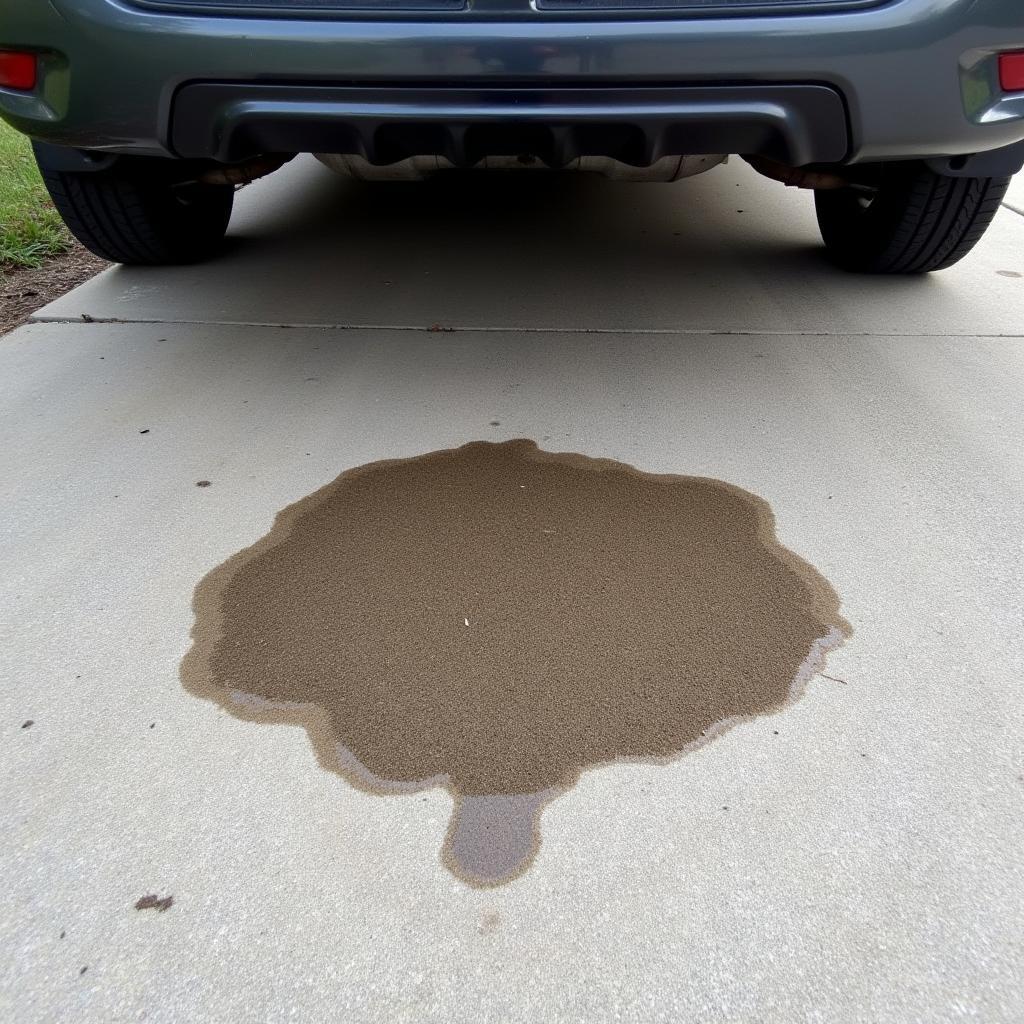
(86, 320)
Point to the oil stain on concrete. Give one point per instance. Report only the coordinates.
(496, 619)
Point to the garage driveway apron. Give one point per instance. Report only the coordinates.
(854, 857)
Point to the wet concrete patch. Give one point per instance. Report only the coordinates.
(496, 619)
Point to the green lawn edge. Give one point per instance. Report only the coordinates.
(30, 228)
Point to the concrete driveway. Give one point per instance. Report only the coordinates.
(855, 856)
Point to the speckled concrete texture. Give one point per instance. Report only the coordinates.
(1015, 195)
(853, 858)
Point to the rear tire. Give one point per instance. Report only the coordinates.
(138, 214)
(903, 218)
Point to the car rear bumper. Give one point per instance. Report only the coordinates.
(794, 124)
(913, 78)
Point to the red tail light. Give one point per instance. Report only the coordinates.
(17, 70)
(1011, 72)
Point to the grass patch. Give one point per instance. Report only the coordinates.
(30, 229)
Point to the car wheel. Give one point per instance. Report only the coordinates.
(134, 215)
(903, 218)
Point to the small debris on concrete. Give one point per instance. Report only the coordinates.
(153, 902)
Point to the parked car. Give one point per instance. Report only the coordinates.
(906, 117)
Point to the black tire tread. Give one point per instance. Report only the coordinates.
(132, 220)
(923, 222)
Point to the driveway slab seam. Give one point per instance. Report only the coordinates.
(512, 329)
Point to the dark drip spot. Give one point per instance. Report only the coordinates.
(28, 724)
(496, 620)
(153, 902)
